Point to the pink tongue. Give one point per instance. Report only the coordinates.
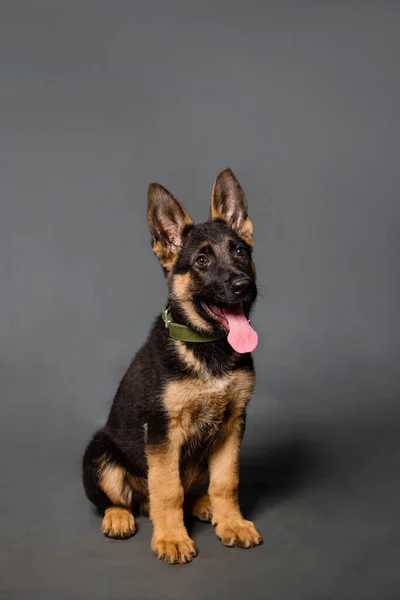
(242, 336)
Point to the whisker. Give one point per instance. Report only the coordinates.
(260, 291)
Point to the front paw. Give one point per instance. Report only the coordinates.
(238, 533)
(174, 548)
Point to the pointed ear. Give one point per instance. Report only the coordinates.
(228, 203)
(167, 221)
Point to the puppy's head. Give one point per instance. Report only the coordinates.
(210, 271)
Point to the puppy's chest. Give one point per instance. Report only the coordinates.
(199, 407)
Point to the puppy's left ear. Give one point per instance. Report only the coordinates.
(228, 203)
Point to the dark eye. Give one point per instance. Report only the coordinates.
(240, 251)
(202, 260)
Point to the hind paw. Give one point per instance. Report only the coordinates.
(118, 523)
(201, 508)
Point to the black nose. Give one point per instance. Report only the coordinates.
(241, 287)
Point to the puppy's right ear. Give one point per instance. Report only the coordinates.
(168, 223)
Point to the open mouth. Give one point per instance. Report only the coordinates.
(241, 335)
(216, 314)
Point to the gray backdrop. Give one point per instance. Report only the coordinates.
(301, 100)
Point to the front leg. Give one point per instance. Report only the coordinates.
(230, 526)
(170, 541)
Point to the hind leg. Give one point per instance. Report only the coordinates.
(199, 506)
(107, 485)
(195, 477)
(118, 521)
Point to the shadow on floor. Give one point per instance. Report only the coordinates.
(277, 471)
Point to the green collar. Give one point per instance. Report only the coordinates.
(183, 333)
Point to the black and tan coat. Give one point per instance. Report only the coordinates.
(178, 417)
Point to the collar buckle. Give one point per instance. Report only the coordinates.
(166, 320)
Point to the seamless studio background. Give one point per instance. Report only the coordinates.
(301, 100)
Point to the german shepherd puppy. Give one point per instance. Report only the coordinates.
(178, 417)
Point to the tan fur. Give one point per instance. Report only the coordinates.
(168, 255)
(182, 292)
(190, 360)
(138, 484)
(118, 522)
(198, 406)
(253, 267)
(122, 488)
(113, 480)
(246, 230)
(166, 258)
(230, 526)
(170, 539)
(181, 287)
